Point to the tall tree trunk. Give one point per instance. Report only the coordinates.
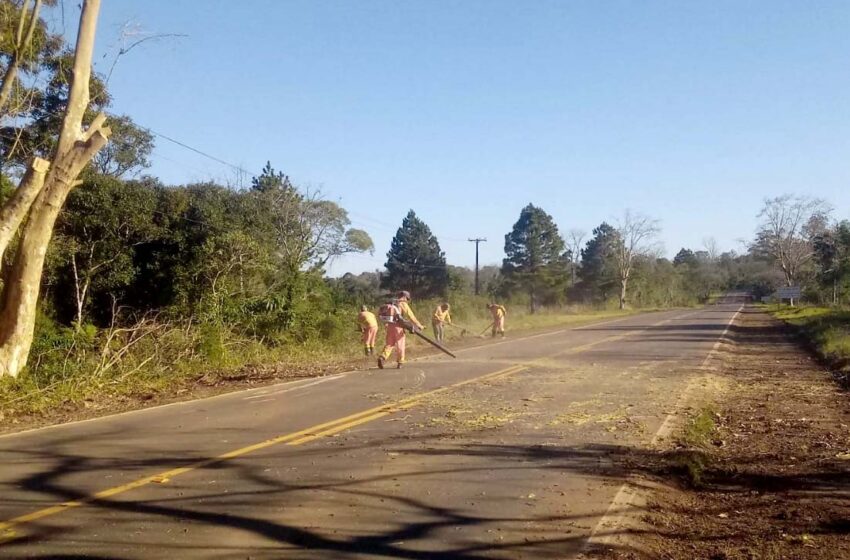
(834, 290)
(623, 283)
(23, 38)
(80, 292)
(74, 150)
(17, 206)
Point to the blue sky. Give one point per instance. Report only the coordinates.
(691, 112)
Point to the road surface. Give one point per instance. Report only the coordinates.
(501, 453)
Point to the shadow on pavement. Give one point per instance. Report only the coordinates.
(607, 462)
(403, 537)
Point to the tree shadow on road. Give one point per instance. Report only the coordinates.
(611, 463)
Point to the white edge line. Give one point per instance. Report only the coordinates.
(307, 382)
(333, 377)
(290, 389)
(624, 498)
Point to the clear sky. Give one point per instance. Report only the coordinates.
(465, 111)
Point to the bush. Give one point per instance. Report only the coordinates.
(211, 343)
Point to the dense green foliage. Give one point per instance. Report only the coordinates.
(415, 261)
(535, 258)
(832, 264)
(598, 270)
(248, 259)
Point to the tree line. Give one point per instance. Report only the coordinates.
(807, 246)
(90, 246)
(95, 254)
(619, 264)
(796, 243)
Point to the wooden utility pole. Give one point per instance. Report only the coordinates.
(477, 240)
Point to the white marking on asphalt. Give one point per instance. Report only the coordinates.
(626, 497)
(235, 394)
(290, 389)
(667, 426)
(197, 402)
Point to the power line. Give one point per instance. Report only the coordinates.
(202, 153)
(238, 168)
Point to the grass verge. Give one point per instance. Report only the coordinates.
(826, 331)
(693, 460)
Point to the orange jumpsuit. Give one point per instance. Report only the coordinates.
(369, 329)
(498, 313)
(396, 333)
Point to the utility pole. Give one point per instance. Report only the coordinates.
(477, 240)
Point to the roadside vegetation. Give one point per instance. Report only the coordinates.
(825, 329)
(147, 288)
(694, 441)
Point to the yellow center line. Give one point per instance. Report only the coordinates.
(295, 438)
(7, 528)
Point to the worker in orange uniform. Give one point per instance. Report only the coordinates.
(497, 312)
(368, 329)
(440, 319)
(398, 316)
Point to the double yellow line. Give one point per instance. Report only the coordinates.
(7, 528)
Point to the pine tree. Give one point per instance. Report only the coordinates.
(415, 262)
(270, 180)
(536, 260)
(598, 272)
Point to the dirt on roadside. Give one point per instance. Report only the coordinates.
(773, 479)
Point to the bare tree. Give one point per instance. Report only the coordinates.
(575, 238)
(710, 245)
(636, 238)
(786, 231)
(75, 148)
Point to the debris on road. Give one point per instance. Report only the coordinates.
(782, 466)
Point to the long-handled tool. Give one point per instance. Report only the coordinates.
(410, 327)
(434, 343)
(487, 328)
(463, 330)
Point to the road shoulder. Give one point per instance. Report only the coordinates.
(769, 479)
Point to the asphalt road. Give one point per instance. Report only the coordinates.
(501, 453)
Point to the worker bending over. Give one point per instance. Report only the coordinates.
(497, 312)
(368, 329)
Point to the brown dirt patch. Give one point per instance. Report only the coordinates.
(775, 475)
